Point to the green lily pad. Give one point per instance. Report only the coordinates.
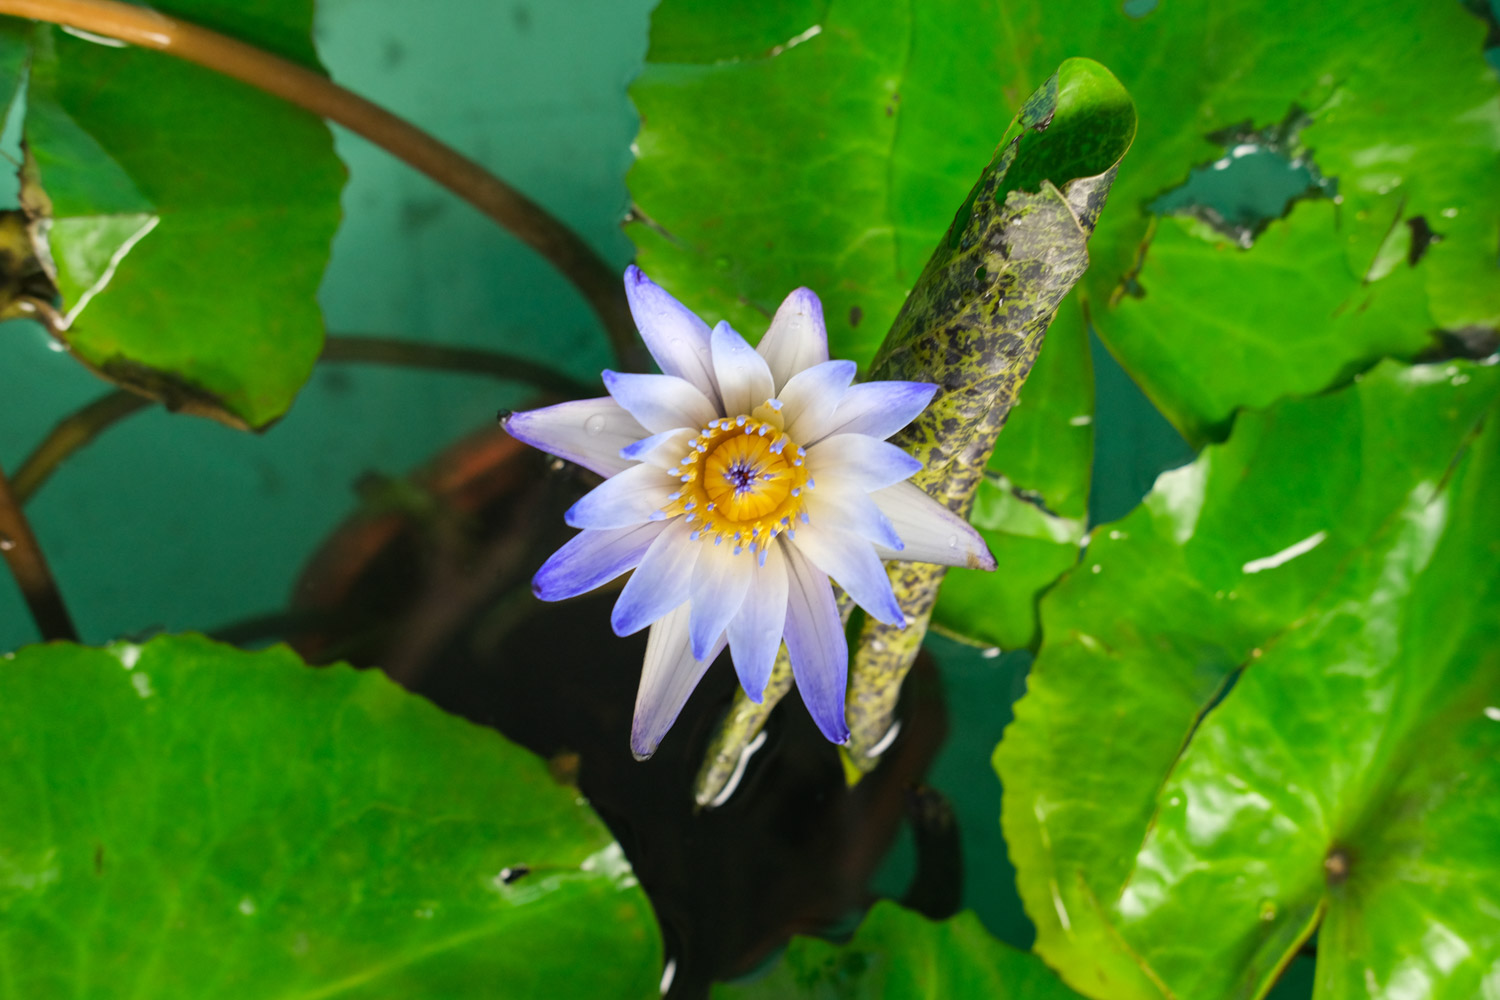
(901, 955)
(830, 159)
(184, 819)
(1032, 548)
(192, 215)
(1047, 447)
(1266, 705)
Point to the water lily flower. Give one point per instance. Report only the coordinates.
(738, 483)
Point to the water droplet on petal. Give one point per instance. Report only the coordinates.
(952, 541)
(594, 424)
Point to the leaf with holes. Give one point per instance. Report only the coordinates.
(899, 954)
(190, 215)
(184, 819)
(1266, 706)
(829, 157)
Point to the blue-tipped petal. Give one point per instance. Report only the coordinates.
(816, 645)
(810, 398)
(744, 380)
(858, 461)
(668, 677)
(931, 532)
(676, 338)
(660, 582)
(720, 580)
(852, 563)
(590, 432)
(660, 402)
(755, 632)
(879, 409)
(797, 338)
(626, 498)
(593, 558)
(662, 450)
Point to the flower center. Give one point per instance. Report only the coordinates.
(743, 479)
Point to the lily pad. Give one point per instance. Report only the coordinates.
(184, 819)
(901, 955)
(830, 160)
(1268, 704)
(191, 215)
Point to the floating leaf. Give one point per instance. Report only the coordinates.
(190, 215)
(831, 163)
(1266, 705)
(898, 954)
(185, 820)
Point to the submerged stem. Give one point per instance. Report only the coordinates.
(80, 428)
(532, 224)
(24, 555)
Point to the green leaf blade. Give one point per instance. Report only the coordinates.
(1166, 840)
(215, 308)
(191, 820)
(900, 955)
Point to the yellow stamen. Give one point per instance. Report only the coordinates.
(743, 479)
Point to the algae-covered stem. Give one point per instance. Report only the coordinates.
(595, 279)
(24, 555)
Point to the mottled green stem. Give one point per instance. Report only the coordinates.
(973, 325)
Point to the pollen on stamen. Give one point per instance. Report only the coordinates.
(774, 403)
(810, 483)
(740, 420)
(658, 515)
(693, 535)
(795, 493)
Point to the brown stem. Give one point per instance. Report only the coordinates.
(80, 428)
(466, 360)
(596, 280)
(72, 433)
(19, 546)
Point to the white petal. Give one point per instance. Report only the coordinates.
(720, 580)
(797, 338)
(668, 677)
(879, 409)
(810, 397)
(856, 460)
(674, 335)
(664, 450)
(849, 507)
(932, 532)
(660, 402)
(744, 379)
(852, 563)
(660, 582)
(590, 432)
(593, 558)
(626, 498)
(816, 645)
(755, 633)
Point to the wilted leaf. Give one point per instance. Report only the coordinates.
(187, 820)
